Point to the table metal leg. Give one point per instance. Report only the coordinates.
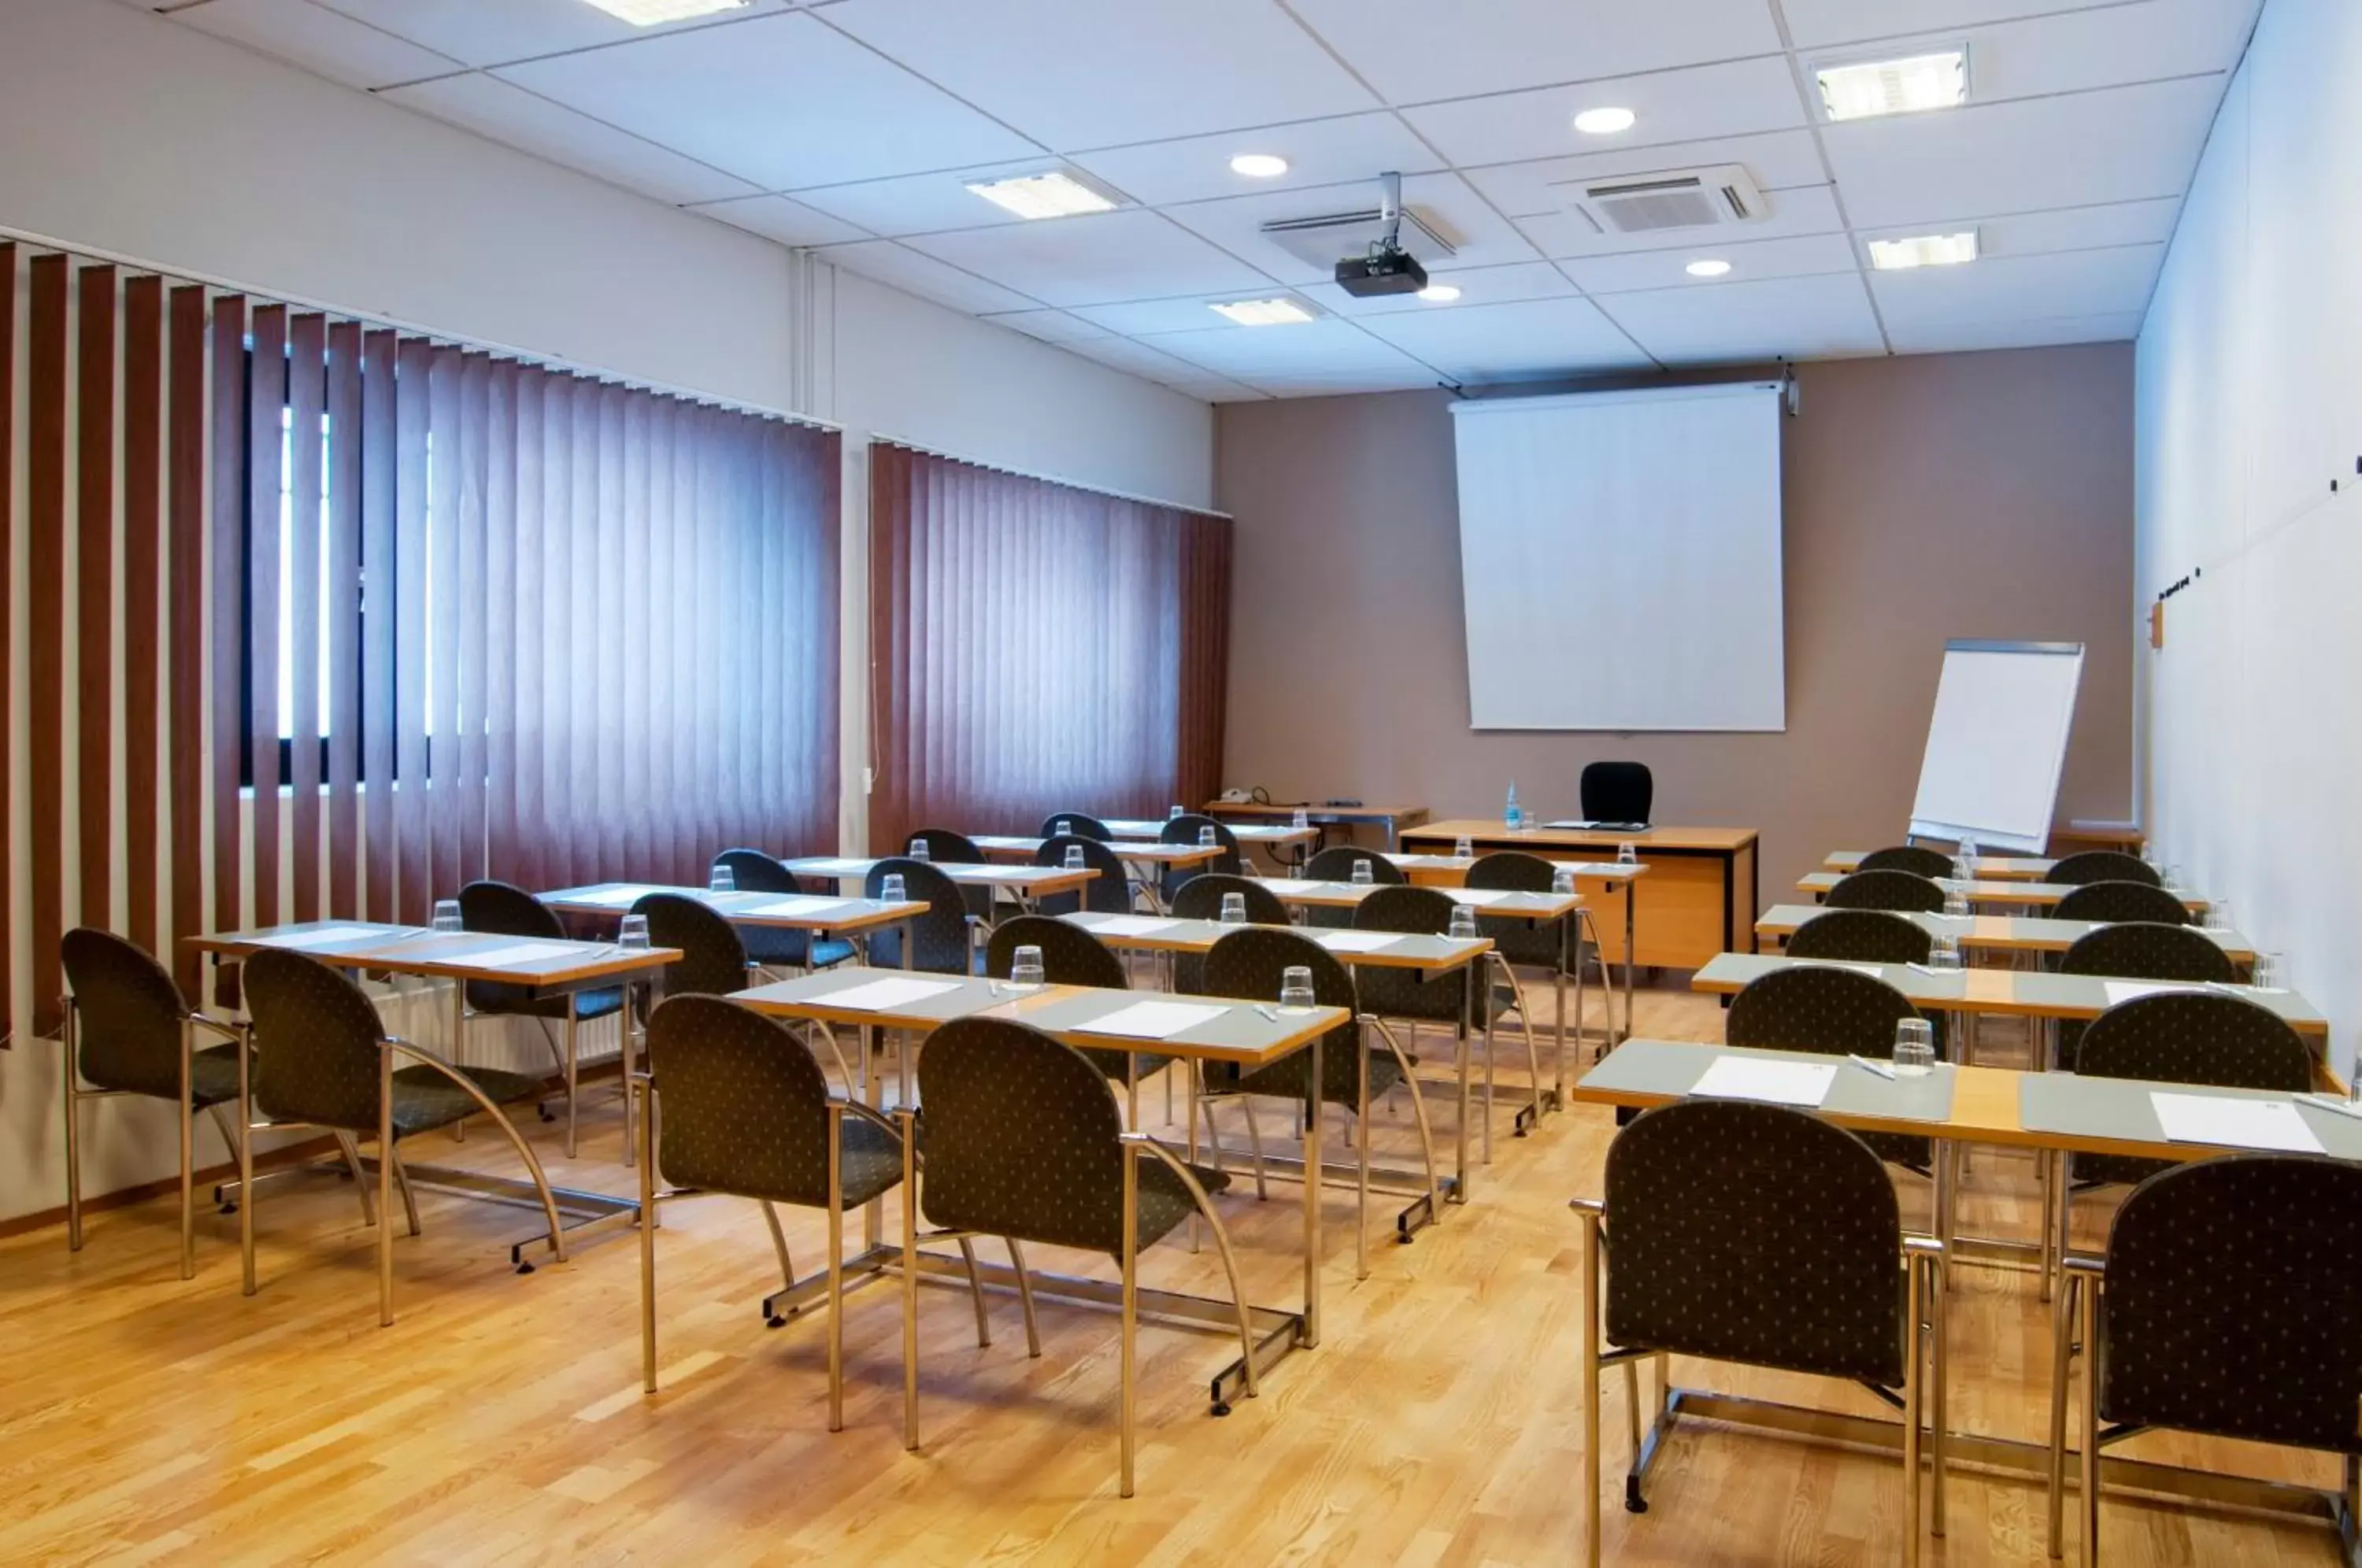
(1466, 1029)
(1631, 952)
(1312, 1163)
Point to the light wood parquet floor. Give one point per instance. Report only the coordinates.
(500, 1420)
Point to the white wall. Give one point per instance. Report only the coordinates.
(123, 133)
(2249, 406)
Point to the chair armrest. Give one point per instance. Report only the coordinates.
(867, 1113)
(400, 1047)
(2085, 1263)
(227, 1030)
(1598, 1206)
(1923, 1246)
(1180, 1167)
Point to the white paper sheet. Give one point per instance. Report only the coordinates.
(520, 953)
(833, 867)
(620, 898)
(1482, 898)
(799, 907)
(1877, 969)
(1130, 925)
(1357, 941)
(1152, 1019)
(327, 936)
(2125, 991)
(2234, 1123)
(1804, 1084)
(878, 996)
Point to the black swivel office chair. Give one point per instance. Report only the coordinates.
(1618, 792)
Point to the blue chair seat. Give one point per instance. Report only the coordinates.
(782, 947)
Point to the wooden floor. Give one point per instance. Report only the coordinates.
(142, 1418)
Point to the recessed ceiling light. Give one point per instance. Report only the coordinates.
(1923, 251)
(654, 12)
(1259, 165)
(1603, 122)
(1050, 194)
(1708, 268)
(1863, 88)
(1263, 313)
(1439, 294)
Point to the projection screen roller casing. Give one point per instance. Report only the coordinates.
(1620, 559)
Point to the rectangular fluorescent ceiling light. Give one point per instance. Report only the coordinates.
(1050, 194)
(1923, 251)
(654, 13)
(1863, 88)
(1263, 313)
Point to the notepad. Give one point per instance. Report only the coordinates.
(1152, 1019)
(800, 906)
(1130, 925)
(1804, 1084)
(1480, 897)
(326, 937)
(520, 953)
(2234, 1123)
(877, 995)
(2125, 991)
(1357, 941)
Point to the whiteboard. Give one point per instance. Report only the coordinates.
(1997, 743)
(1619, 559)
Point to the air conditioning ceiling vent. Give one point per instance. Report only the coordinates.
(1675, 198)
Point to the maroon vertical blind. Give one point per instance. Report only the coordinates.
(378, 614)
(1035, 647)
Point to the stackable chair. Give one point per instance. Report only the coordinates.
(1861, 936)
(1335, 863)
(944, 940)
(322, 1058)
(1905, 892)
(2104, 865)
(1533, 943)
(1080, 824)
(945, 847)
(1762, 1235)
(773, 947)
(1109, 892)
(1201, 898)
(1185, 829)
(510, 911)
(129, 1031)
(1073, 956)
(2138, 950)
(1831, 1013)
(1915, 858)
(2117, 902)
(1023, 1141)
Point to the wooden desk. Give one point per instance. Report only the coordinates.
(1697, 900)
(1999, 933)
(789, 912)
(1990, 868)
(2024, 895)
(1389, 820)
(1607, 876)
(1270, 835)
(1026, 882)
(1248, 1035)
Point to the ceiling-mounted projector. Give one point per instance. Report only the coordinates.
(1385, 268)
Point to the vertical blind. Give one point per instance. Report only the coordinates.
(1037, 646)
(372, 614)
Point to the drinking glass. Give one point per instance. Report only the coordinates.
(1208, 838)
(634, 935)
(1176, 814)
(1234, 909)
(1563, 880)
(1296, 988)
(1464, 922)
(1956, 904)
(2218, 915)
(1967, 851)
(1062, 827)
(2271, 972)
(1464, 849)
(1362, 877)
(1964, 868)
(919, 850)
(2174, 880)
(1914, 1048)
(1945, 955)
(721, 881)
(1025, 969)
(891, 889)
(1303, 819)
(446, 915)
(1074, 861)
(1628, 855)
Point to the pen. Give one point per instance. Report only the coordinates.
(1270, 1013)
(2329, 1102)
(1881, 1068)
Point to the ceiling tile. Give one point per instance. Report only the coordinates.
(2067, 229)
(2072, 51)
(1810, 209)
(2064, 283)
(1316, 356)
(1084, 73)
(1417, 51)
(1955, 338)
(511, 115)
(781, 101)
(1475, 343)
(1477, 286)
(1815, 23)
(1139, 360)
(494, 32)
(1186, 312)
(1319, 152)
(1774, 159)
(1126, 255)
(1481, 236)
(1050, 326)
(333, 46)
(781, 219)
(1735, 99)
(889, 261)
(1797, 257)
(2120, 144)
(923, 204)
(1796, 318)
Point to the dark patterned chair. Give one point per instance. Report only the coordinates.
(2104, 865)
(1757, 1234)
(1617, 791)
(2116, 902)
(1023, 1141)
(2182, 1037)
(742, 1110)
(1904, 892)
(945, 847)
(1335, 863)
(943, 940)
(1185, 829)
(773, 946)
(1391, 992)
(2138, 950)
(2227, 1304)
(713, 960)
(1073, 956)
(506, 909)
(1109, 894)
(322, 1058)
(1832, 1012)
(1915, 858)
(1078, 824)
(1861, 936)
(1250, 964)
(129, 1030)
(1201, 898)
(1538, 944)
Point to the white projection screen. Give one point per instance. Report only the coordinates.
(1620, 558)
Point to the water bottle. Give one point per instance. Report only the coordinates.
(1511, 816)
